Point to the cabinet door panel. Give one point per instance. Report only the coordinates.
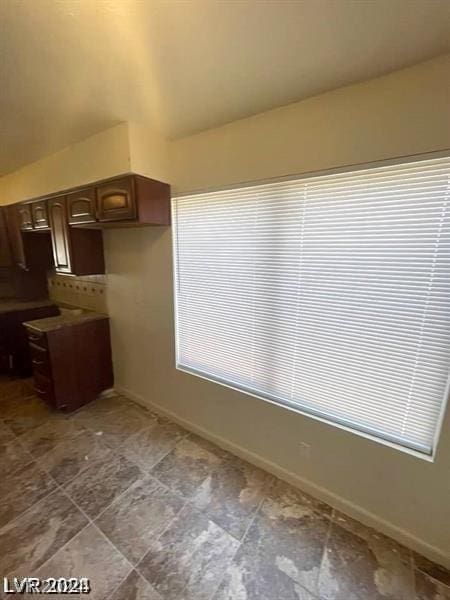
(81, 207)
(25, 218)
(39, 214)
(116, 201)
(60, 234)
(15, 236)
(5, 252)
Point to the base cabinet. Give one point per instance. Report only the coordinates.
(72, 363)
(15, 355)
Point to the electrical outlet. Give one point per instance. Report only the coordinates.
(305, 450)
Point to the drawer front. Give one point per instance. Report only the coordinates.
(40, 215)
(40, 360)
(43, 387)
(37, 338)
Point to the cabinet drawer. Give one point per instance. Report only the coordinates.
(37, 338)
(43, 387)
(40, 360)
(40, 215)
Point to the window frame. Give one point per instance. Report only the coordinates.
(283, 403)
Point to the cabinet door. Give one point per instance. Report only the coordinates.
(5, 252)
(40, 215)
(81, 207)
(15, 236)
(60, 234)
(25, 218)
(116, 201)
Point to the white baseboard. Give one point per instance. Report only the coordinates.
(342, 504)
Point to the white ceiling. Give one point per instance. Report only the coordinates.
(70, 68)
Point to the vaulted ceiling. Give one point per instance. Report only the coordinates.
(71, 68)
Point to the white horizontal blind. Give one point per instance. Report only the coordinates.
(329, 294)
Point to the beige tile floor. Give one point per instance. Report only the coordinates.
(149, 511)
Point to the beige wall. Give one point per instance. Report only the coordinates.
(400, 114)
(403, 113)
(102, 155)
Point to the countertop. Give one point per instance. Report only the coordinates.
(64, 320)
(12, 305)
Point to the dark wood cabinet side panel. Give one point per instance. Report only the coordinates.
(76, 382)
(153, 201)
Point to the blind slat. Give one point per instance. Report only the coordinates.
(328, 293)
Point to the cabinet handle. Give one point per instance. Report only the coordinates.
(38, 390)
(34, 338)
(37, 362)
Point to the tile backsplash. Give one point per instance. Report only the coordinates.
(87, 292)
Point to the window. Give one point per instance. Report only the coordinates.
(327, 294)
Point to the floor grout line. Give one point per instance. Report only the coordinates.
(147, 473)
(89, 523)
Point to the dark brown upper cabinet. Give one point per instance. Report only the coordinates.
(40, 215)
(16, 242)
(74, 220)
(75, 251)
(5, 250)
(121, 202)
(116, 200)
(81, 206)
(25, 216)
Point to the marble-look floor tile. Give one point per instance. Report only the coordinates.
(35, 536)
(138, 516)
(432, 569)
(115, 425)
(286, 498)
(186, 466)
(231, 494)
(355, 568)
(12, 458)
(47, 436)
(430, 589)
(70, 458)
(18, 492)
(89, 555)
(13, 394)
(28, 414)
(135, 587)
(189, 559)
(373, 537)
(207, 445)
(96, 487)
(148, 446)
(6, 435)
(255, 577)
(289, 535)
(102, 406)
